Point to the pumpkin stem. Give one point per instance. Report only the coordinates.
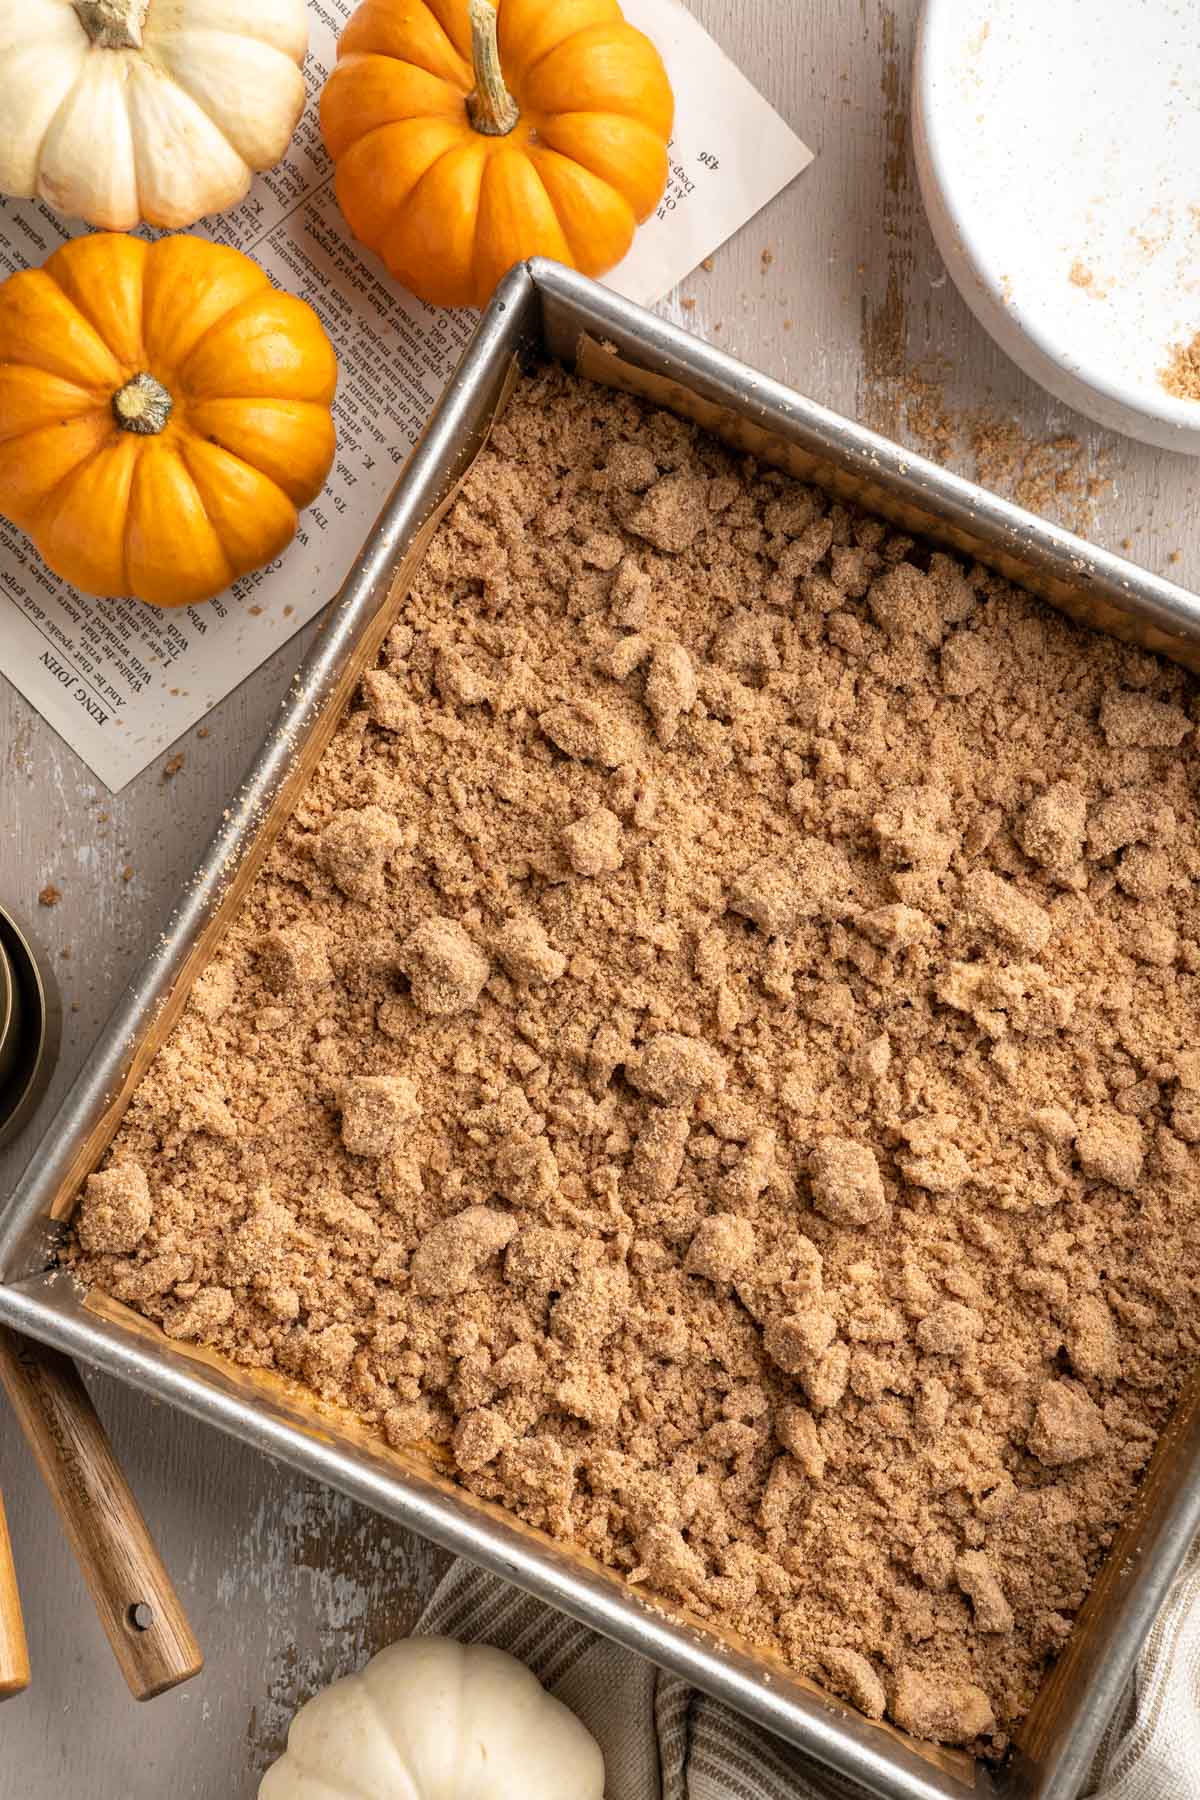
(142, 406)
(491, 108)
(113, 24)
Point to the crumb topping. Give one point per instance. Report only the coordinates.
(712, 1057)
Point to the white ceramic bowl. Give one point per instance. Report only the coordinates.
(1058, 151)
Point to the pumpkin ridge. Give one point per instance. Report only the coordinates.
(470, 147)
(52, 124)
(530, 68)
(245, 463)
(541, 155)
(41, 59)
(418, 184)
(270, 345)
(246, 28)
(155, 58)
(219, 422)
(220, 322)
(125, 539)
(491, 216)
(94, 398)
(464, 74)
(594, 39)
(162, 111)
(172, 266)
(83, 319)
(372, 83)
(456, 1729)
(265, 548)
(73, 284)
(369, 222)
(436, 8)
(76, 497)
(111, 217)
(126, 580)
(348, 58)
(537, 174)
(133, 518)
(68, 475)
(643, 197)
(164, 69)
(398, 1745)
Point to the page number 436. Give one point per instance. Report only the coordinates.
(709, 160)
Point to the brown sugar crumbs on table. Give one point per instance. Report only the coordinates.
(715, 1049)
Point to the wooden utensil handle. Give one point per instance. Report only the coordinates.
(14, 1653)
(138, 1607)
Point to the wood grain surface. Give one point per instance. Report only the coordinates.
(837, 289)
(138, 1607)
(14, 1648)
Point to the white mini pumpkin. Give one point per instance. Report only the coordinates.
(431, 1719)
(119, 111)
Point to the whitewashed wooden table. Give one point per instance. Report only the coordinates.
(836, 289)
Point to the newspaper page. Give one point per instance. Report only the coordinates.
(119, 680)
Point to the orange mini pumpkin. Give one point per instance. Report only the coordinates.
(468, 137)
(164, 411)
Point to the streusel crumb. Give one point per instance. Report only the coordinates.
(713, 1054)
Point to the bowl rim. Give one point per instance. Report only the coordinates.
(35, 1017)
(940, 160)
(10, 1018)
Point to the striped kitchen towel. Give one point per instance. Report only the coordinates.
(664, 1741)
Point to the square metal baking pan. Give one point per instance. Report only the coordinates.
(541, 307)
